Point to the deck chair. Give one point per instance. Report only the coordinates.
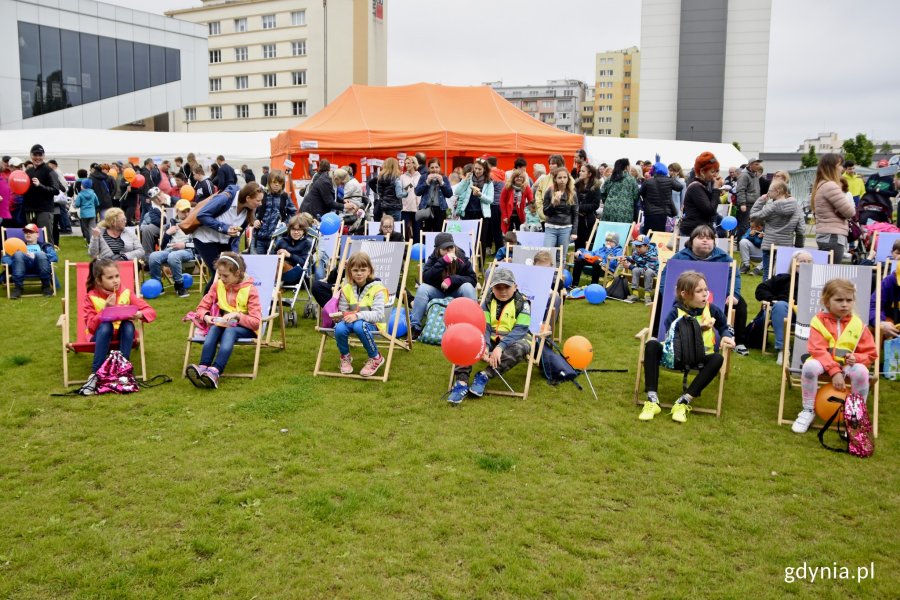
(472, 226)
(7, 233)
(530, 238)
(192, 266)
(462, 240)
(882, 243)
(291, 293)
(662, 239)
(327, 256)
(266, 273)
(391, 262)
(598, 237)
(810, 281)
(374, 227)
(721, 284)
(524, 255)
(537, 284)
(80, 342)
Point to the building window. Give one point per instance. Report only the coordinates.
(240, 25)
(568, 93)
(299, 108)
(215, 113)
(215, 28)
(609, 107)
(268, 21)
(626, 120)
(241, 54)
(270, 109)
(215, 56)
(610, 72)
(215, 84)
(298, 17)
(564, 115)
(299, 77)
(627, 74)
(240, 82)
(627, 98)
(242, 111)
(533, 93)
(298, 48)
(627, 86)
(268, 50)
(269, 80)
(190, 114)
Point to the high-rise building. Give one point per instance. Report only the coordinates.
(559, 103)
(705, 70)
(616, 94)
(274, 62)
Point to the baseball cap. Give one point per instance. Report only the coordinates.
(503, 276)
(153, 192)
(640, 240)
(443, 240)
(182, 205)
(37, 149)
(31, 228)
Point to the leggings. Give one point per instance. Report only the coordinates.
(652, 357)
(813, 369)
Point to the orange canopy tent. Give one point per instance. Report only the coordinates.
(454, 124)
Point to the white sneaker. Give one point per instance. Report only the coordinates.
(803, 421)
(780, 360)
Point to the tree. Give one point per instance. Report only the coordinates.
(809, 159)
(737, 145)
(859, 149)
(885, 149)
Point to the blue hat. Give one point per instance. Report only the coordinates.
(659, 168)
(640, 240)
(87, 184)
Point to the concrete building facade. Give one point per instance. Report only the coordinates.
(274, 62)
(616, 94)
(559, 103)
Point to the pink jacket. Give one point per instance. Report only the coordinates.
(833, 209)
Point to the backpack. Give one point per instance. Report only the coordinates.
(683, 347)
(433, 330)
(116, 375)
(556, 368)
(618, 288)
(858, 434)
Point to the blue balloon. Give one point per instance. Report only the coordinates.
(187, 281)
(401, 325)
(567, 278)
(151, 289)
(329, 224)
(728, 223)
(595, 293)
(417, 251)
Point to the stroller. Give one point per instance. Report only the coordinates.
(291, 293)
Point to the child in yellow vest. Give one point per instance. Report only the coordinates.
(231, 309)
(839, 344)
(361, 311)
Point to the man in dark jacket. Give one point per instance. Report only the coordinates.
(248, 174)
(226, 175)
(319, 198)
(38, 199)
(656, 193)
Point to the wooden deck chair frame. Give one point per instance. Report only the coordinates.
(882, 242)
(540, 328)
(271, 313)
(525, 254)
(128, 270)
(383, 270)
(774, 253)
(663, 252)
(811, 279)
(19, 233)
(604, 227)
(426, 238)
(653, 329)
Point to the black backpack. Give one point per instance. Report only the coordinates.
(683, 347)
(556, 368)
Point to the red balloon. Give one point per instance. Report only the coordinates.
(465, 310)
(19, 182)
(463, 344)
(138, 181)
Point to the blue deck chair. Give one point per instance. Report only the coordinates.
(7, 233)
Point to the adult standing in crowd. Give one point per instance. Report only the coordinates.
(225, 175)
(320, 198)
(203, 187)
(6, 198)
(832, 205)
(701, 199)
(264, 178)
(38, 199)
(434, 190)
(657, 192)
(478, 203)
(579, 159)
(620, 194)
(747, 191)
(515, 196)
(561, 210)
(390, 189)
(248, 174)
(61, 222)
(165, 177)
(104, 186)
(409, 179)
(545, 182)
(677, 175)
(587, 189)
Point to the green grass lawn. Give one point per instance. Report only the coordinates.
(298, 487)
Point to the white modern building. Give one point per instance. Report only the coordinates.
(825, 143)
(274, 62)
(704, 70)
(559, 103)
(81, 63)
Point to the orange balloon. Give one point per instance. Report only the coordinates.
(113, 173)
(578, 352)
(187, 192)
(128, 174)
(824, 408)
(13, 245)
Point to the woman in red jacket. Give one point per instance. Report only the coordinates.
(516, 194)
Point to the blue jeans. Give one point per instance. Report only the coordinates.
(103, 339)
(224, 338)
(363, 331)
(261, 245)
(174, 258)
(779, 314)
(426, 292)
(22, 265)
(554, 237)
(292, 276)
(765, 264)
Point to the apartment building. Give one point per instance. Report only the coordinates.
(559, 103)
(274, 62)
(616, 94)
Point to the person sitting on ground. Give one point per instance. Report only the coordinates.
(87, 204)
(597, 259)
(644, 263)
(507, 336)
(112, 239)
(295, 248)
(35, 260)
(151, 220)
(360, 311)
(510, 238)
(691, 301)
(177, 248)
(776, 291)
(447, 273)
(276, 208)
(750, 246)
(839, 345)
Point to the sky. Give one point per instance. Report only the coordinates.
(826, 71)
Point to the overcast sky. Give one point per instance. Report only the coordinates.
(830, 66)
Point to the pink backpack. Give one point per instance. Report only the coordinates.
(116, 375)
(858, 432)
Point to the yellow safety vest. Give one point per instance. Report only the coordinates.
(709, 335)
(367, 300)
(99, 304)
(240, 299)
(847, 339)
(507, 320)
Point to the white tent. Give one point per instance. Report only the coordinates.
(609, 149)
(78, 148)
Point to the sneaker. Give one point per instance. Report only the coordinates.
(346, 364)
(757, 271)
(803, 421)
(742, 350)
(632, 299)
(47, 290)
(780, 360)
(651, 409)
(415, 333)
(195, 373)
(458, 392)
(478, 385)
(16, 293)
(680, 412)
(648, 301)
(181, 292)
(210, 377)
(372, 365)
(90, 386)
(745, 269)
